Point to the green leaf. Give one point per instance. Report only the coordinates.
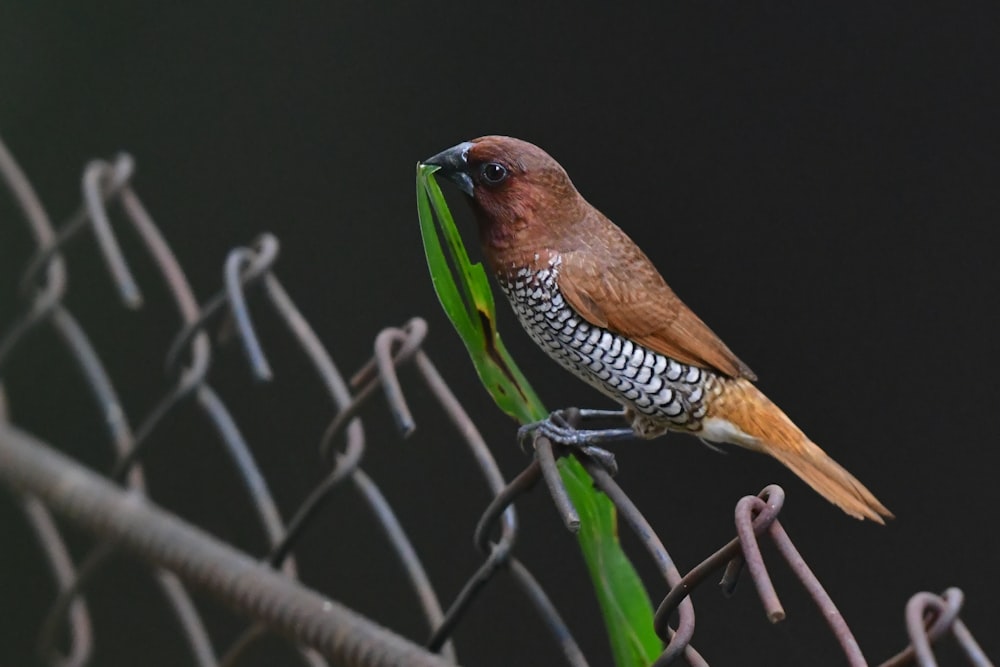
(628, 614)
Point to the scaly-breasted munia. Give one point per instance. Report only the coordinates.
(595, 303)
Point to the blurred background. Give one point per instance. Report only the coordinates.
(816, 181)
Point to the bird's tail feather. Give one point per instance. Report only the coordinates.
(765, 428)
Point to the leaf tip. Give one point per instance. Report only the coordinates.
(425, 170)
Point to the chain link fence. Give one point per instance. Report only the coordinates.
(59, 495)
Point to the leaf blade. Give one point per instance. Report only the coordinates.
(624, 603)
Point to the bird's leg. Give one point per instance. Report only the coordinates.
(557, 427)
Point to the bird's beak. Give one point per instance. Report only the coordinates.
(454, 163)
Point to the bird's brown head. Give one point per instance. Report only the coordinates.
(519, 194)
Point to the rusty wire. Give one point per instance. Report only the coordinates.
(127, 519)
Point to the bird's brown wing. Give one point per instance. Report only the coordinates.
(629, 297)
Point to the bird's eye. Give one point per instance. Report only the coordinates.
(494, 173)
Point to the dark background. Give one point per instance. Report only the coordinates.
(817, 181)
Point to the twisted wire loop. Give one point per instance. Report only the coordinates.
(928, 618)
(117, 509)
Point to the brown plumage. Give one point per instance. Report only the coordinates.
(592, 299)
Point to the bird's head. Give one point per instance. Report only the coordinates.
(516, 189)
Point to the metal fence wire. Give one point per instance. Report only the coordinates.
(116, 508)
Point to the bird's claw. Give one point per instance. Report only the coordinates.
(563, 435)
(568, 437)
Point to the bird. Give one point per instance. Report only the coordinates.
(596, 304)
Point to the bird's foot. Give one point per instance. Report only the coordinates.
(557, 428)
